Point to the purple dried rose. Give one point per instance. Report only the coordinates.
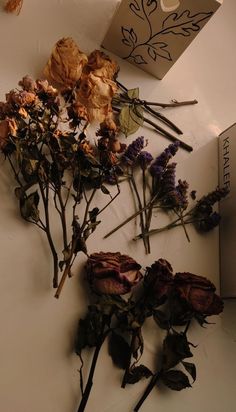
(199, 293)
(159, 280)
(112, 273)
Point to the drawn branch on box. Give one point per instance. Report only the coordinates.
(154, 47)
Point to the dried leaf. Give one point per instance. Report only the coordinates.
(191, 369)
(119, 350)
(130, 119)
(175, 380)
(138, 373)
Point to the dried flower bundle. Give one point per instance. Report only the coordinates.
(159, 190)
(101, 97)
(53, 163)
(174, 301)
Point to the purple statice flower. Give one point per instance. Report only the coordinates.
(168, 179)
(182, 194)
(133, 150)
(209, 222)
(144, 159)
(160, 163)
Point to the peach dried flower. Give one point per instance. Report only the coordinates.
(101, 65)
(22, 98)
(66, 63)
(96, 94)
(7, 127)
(13, 6)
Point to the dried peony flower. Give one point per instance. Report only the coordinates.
(101, 65)
(13, 6)
(66, 63)
(7, 127)
(199, 293)
(112, 273)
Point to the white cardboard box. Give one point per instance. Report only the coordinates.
(152, 34)
(227, 178)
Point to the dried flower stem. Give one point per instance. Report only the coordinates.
(133, 216)
(147, 391)
(174, 103)
(147, 249)
(89, 383)
(73, 247)
(164, 119)
(48, 232)
(164, 133)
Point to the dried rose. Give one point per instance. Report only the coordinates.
(199, 293)
(7, 127)
(28, 84)
(112, 273)
(66, 63)
(22, 98)
(13, 6)
(22, 112)
(96, 94)
(159, 280)
(101, 65)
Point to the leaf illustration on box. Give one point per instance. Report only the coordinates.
(129, 37)
(182, 24)
(138, 59)
(159, 49)
(178, 24)
(136, 9)
(149, 6)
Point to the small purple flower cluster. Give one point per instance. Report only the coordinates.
(144, 159)
(174, 196)
(133, 150)
(159, 165)
(205, 218)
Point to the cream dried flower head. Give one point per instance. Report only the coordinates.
(66, 63)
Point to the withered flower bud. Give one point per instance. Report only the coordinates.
(28, 84)
(159, 280)
(7, 127)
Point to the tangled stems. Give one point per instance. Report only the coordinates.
(134, 103)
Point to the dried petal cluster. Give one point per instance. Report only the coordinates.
(53, 163)
(112, 273)
(91, 76)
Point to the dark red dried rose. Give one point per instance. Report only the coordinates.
(112, 273)
(159, 279)
(199, 293)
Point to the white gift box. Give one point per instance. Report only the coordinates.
(227, 178)
(152, 34)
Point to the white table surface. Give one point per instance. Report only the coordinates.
(38, 370)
